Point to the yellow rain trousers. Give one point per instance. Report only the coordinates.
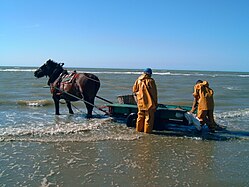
(204, 96)
(146, 92)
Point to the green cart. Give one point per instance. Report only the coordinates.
(165, 114)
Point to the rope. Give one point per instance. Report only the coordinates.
(101, 98)
(79, 109)
(107, 113)
(104, 99)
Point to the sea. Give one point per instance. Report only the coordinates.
(39, 148)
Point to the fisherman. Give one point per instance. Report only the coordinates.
(146, 92)
(204, 103)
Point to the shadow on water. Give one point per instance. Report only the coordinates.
(204, 134)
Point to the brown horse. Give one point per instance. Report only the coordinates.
(82, 86)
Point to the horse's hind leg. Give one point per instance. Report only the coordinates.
(89, 111)
(69, 106)
(89, 106)
(89, 102)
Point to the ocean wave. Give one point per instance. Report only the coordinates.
(168, 73)
(241, 113)
(246, 76)
(69, 128)
(172, 73)
(17, 70)
(236, 88)
(102, 72)
(89, 131)
(35, 103)
(137, 72)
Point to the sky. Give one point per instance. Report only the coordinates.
(208, 35)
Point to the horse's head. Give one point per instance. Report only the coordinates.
(47, 69)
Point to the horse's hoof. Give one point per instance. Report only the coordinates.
(88, 116)
(57, 114)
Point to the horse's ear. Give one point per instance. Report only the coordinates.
(48, 61)
(61, 64)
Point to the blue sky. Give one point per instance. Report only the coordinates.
(161, 34)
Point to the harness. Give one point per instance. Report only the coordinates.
(68, 82)
(64, 83)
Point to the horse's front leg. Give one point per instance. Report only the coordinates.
(69, 107)
(56, 104)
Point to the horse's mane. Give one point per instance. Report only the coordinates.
(52, 63)
(57, 70)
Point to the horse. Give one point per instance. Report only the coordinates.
(83, 86)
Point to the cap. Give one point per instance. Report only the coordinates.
(199, 81)
(148, 71)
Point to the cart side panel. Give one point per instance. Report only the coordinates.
(122, 110)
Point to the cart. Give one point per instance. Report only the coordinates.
(165, 115)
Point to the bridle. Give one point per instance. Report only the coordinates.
(53, 73)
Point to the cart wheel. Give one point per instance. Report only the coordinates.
(131, 120)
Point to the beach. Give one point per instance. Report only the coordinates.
(38, 148)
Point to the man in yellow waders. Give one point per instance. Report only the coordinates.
(146, 91)
(203, 100)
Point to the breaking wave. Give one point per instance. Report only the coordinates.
(35, 103)
(29, 103)
(17, 69)
(85, 131)
(241, 113)
(236, 119)
(136, 72)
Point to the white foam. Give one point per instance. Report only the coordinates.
(85, 131)
(17, 70)
(234, 114)
(35, 103)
